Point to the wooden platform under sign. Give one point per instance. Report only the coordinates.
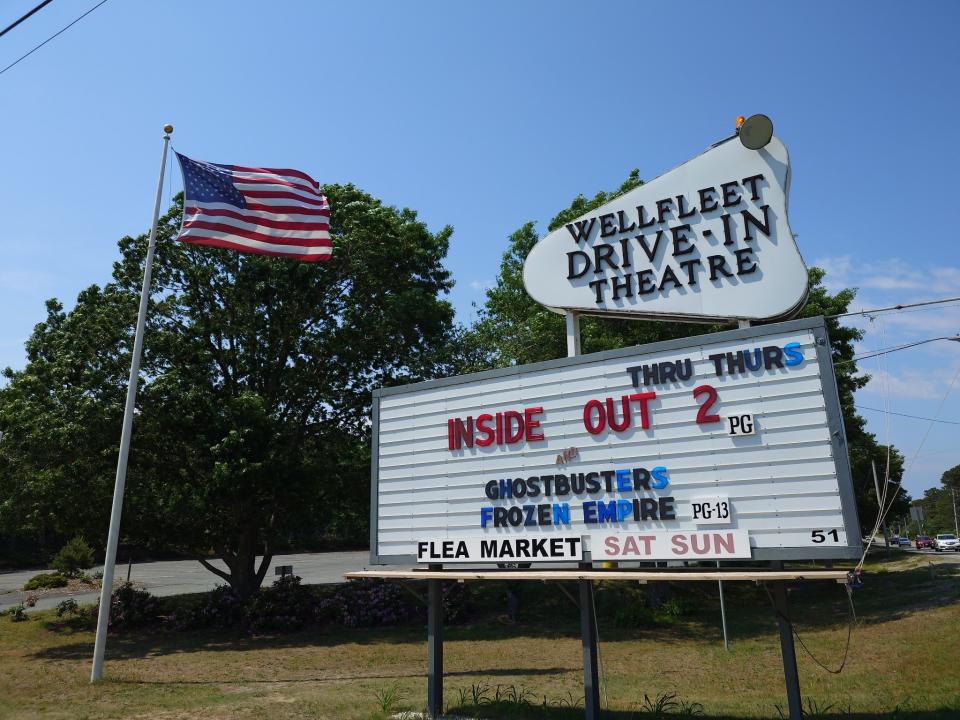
(839, 576)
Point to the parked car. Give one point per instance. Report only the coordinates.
(923, 541)
(903, 542)
(946, 541)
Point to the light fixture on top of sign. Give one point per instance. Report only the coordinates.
(706, 241)
(755, 132)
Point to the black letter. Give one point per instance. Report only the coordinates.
(583, 229)
(598, 286)
(681, 213)
(743, 258)
(752, 182)
(645, 285)
(571, 275)
(730, 196)
(689, 266)
(626, 284)
(718, 265)
(679, 237)
(662, 208)
(601, 255)
(749, 220)
(607, 228)
(708, 204)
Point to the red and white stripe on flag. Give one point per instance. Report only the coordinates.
(267, 211)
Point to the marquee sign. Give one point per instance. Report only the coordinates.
(707, 240)
(727, 446)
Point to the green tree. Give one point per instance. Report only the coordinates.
(951, 478)
(60, 420)
(512, 329)
(253, 416)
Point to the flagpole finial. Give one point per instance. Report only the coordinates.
(168, 128)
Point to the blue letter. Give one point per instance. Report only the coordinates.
(606, 511)
(590, 511)
(486, 515)
(660, 478)
(624, 508)
(623, 481)
(561, 514)
(793, 353)
(506, 488)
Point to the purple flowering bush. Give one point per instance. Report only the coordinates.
(366, 603)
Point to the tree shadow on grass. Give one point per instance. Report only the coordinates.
(547, 613)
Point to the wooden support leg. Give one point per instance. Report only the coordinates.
(588, 636)
(435, 648)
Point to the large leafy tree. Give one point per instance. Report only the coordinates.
(252, 427)
(513, 329)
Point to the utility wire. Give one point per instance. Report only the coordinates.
(887, 351)
(38, 8)
(59, 32)
(914, 417)
(894, 307)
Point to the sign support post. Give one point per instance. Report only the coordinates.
(588, 620)
(588, 638)
(787, 648)
(435, 646)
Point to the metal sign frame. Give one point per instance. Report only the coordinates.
(817, 326)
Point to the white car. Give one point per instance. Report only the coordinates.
(946, 541)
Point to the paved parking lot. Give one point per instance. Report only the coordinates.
(178, 577)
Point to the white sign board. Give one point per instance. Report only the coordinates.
(706, 240)
(624, 455)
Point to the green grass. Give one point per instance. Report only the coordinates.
(903, 660)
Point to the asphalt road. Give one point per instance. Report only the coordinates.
(179, 577)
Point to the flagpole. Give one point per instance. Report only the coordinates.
(106, 590)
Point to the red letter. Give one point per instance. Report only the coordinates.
(601, 418)
(644, 398)
(499, 428)
(464, 433)
(483, 427)
(451, 444)
(702, 417)
(510, 416)
(612, 415)
(530, 423)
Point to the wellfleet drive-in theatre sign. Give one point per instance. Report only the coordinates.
(722, 447)
(726, 446)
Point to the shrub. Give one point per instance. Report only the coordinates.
(632, 616)
(456, 603)
(17, 613)
(221, 608)
(67, 607)
(678, 606)
(132, 607)
(73, 557)
(44, 581)
(286, 606)
(366, 603)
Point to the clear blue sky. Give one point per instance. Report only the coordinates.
(486, 115)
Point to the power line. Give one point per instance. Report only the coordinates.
(38, 8)
(887, 351)
(915, 417)
(63, 30)
(894, 307)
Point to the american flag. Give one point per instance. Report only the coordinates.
(257, 210)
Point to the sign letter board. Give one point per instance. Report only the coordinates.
(721, 446)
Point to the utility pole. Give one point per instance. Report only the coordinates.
(953, 496)
(876, 485)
